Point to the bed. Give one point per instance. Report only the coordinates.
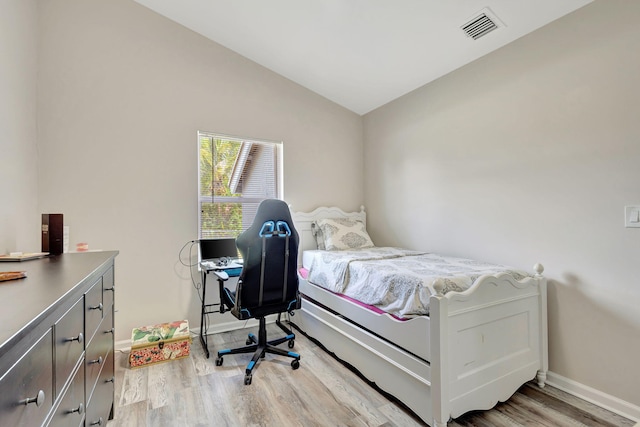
(454, 350)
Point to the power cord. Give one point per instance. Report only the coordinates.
(192, 243)
(197, 284)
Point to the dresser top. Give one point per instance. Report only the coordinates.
(51, 283)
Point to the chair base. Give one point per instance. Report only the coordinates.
(260, 346)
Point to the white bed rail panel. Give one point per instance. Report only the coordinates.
(495, 347)
(495, 341)
(412, 335)
(393, 370)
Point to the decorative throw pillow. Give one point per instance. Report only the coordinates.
(344, 233)
(317, 233)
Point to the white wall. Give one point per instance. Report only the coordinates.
(123, 92)
(530, 155)
(19, 219)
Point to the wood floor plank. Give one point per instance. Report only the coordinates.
(163, 416)
(474, 419)
(499, 419)
(191, 407)
(121, 366)
(134, 386)
(528, 412)
(347, 386)
(221, 407)
(586, 412)
(160, 390)
(578, 409)
(315, 403)
(193, 392)
(348, 390)
(134, 414)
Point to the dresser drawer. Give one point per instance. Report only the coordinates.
(93, 309)
(100, 347)
(26, 390)
(69, 343)
(101, 402)
(71, 411)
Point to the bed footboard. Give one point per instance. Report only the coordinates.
(487, 342)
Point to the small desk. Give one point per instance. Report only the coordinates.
(206, 267)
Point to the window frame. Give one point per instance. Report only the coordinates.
(278, 179)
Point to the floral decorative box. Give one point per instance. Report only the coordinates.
(159, 343)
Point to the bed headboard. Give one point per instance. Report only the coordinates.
(303, 220)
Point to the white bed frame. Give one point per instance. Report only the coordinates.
(475, 349)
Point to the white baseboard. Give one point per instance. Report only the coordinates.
(216, 328)
(594, 396)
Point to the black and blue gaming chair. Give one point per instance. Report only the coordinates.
(268, 283)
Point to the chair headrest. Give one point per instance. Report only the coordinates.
(272, 215)
(275, 229)
(273, 218)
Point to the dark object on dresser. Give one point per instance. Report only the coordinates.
(52, 233)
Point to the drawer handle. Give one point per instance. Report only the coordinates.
(79, 410)
(112, 289)
(97, 423)
(79, 338)
(98, 361)
(111, 380)
(96, 307)
(110, 331)
(38, 400)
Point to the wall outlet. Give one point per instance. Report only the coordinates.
(632, 216)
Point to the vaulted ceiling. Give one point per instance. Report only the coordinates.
(361, 54)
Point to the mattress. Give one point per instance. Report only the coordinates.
(397, 281)
(307, 258)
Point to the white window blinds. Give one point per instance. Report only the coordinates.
(235, 175)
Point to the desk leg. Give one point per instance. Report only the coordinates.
(203, 313)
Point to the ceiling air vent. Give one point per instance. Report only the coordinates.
(481, 24)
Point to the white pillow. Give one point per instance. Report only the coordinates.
(344, 233)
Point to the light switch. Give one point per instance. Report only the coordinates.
(632, 216)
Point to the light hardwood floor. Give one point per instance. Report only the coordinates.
(194, 392)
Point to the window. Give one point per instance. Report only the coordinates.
(235, 175)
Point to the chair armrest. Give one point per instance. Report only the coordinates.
(222, 278)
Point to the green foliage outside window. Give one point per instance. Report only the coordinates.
(217, 158)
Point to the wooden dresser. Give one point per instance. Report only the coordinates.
(56, 341)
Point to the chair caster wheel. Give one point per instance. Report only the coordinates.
(262, 356)
(295, 364)
(248, 341)
(291, 343)
(247, 379)
(219, 361)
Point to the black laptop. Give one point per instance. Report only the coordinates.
(218, 251)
